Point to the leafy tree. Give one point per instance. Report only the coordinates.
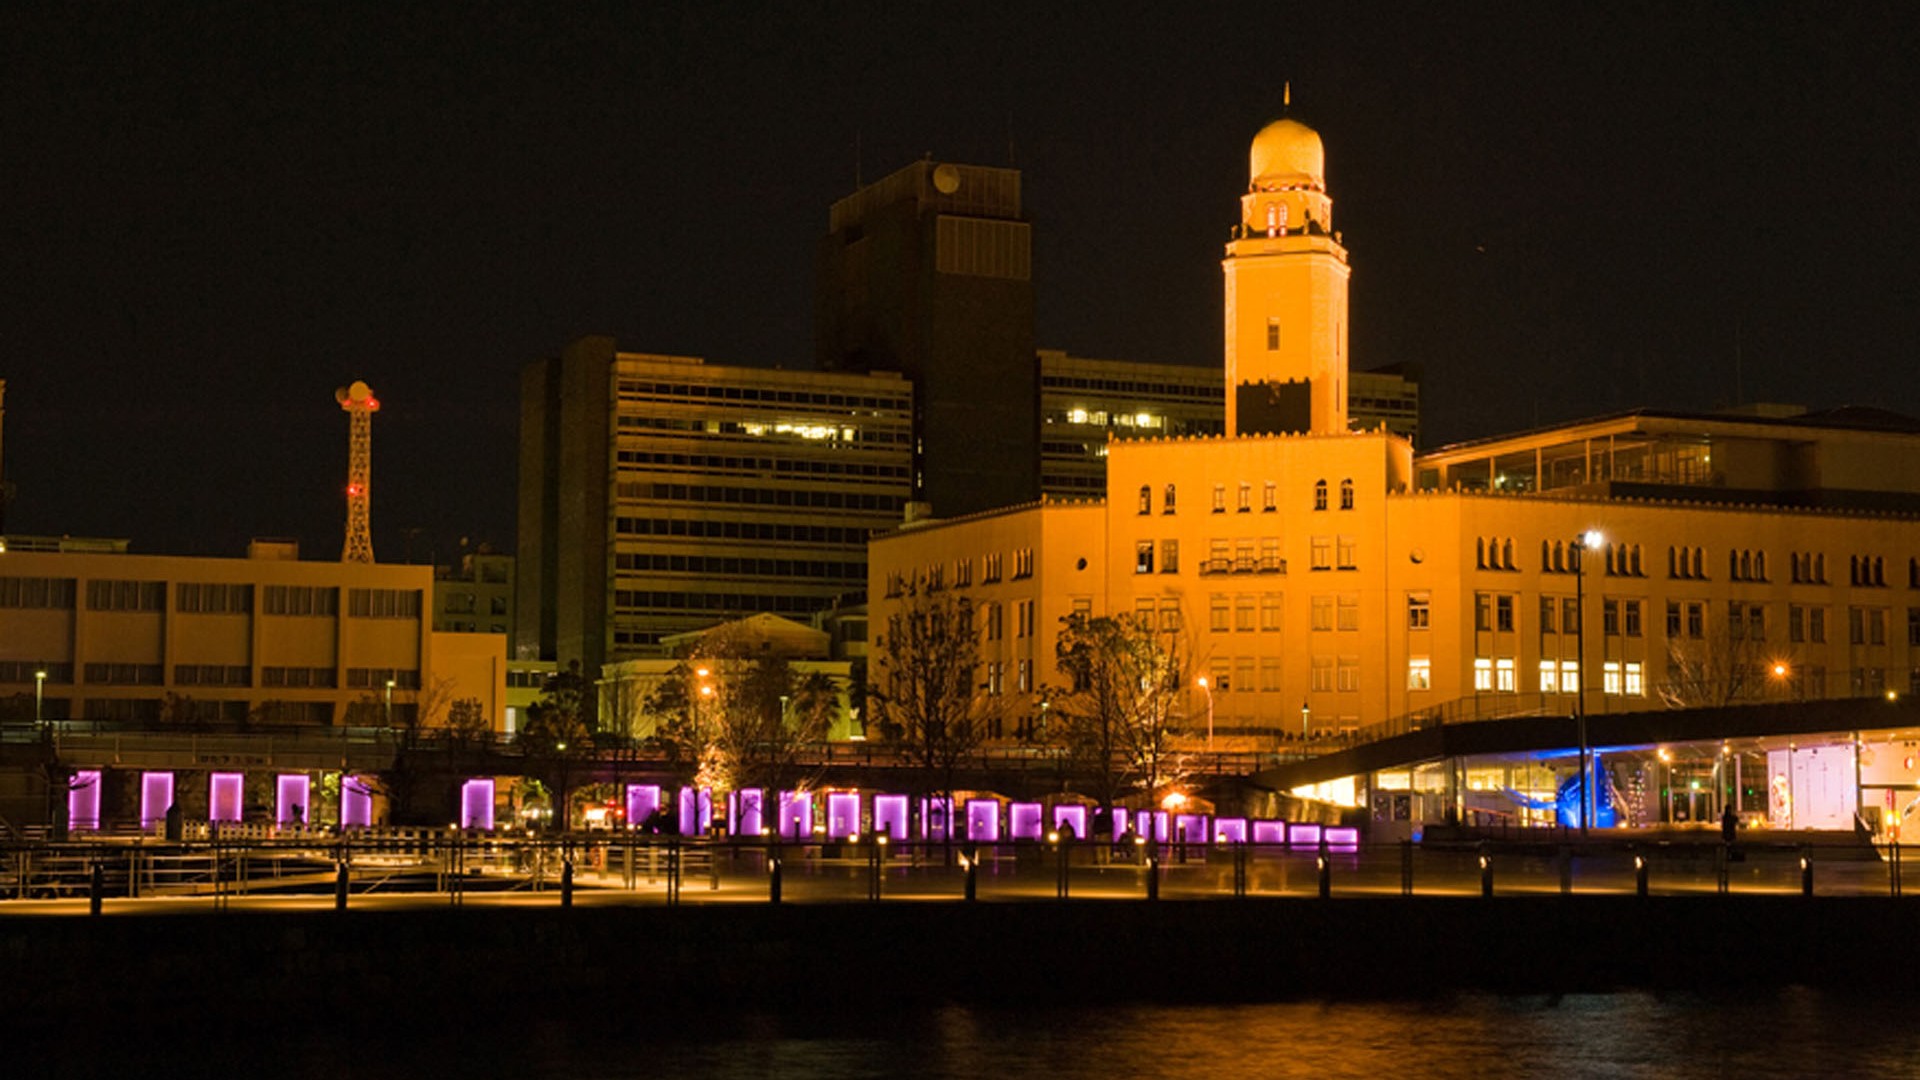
(561, 715)
(467, 721)
(926, 696)
(1122, 710)
(731, 716)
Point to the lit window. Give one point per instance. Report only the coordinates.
(1420, 673)
(1549, 677)
(1482, 674)
(1636, 679)
(1504, 676)
(1569, 676)
(1610, 677)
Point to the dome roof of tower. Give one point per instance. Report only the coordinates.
(1287, 152)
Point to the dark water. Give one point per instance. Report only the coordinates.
(1792, 1032)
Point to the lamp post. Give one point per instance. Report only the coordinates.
(1306, 719)
(390, 705)
(1207, 689)
(1585, 542)
(39, 693)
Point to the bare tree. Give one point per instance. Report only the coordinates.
(926, 697)
(467, 721)
(1122, 710)
(1718, 670)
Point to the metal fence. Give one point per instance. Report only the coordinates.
(429, 866)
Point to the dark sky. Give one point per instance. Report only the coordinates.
(213, 215)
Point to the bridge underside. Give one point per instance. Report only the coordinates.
(1546, 733)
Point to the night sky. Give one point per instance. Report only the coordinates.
(213, 215)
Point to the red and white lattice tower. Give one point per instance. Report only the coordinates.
(360, 404)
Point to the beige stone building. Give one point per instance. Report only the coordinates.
(151, 639)
(1322, 580)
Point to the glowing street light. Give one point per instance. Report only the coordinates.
(39, 693)
(390, 683)
(1583, 543)
(1207, 688)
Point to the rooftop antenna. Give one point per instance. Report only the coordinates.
(360, 405)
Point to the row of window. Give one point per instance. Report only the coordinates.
(207, 598)
(1269, 497)
(805, 569)
(360, 678)
(992, 568)
(993, 616)
(642, 600)
(323, 678)
(714, 493)
(383, 603)
(126, 595)
(301, 600)
(684, 391)
(779, 532)
(776, 466)
(1242, 612)
(19, 592)
(212, 675)
(25, 671)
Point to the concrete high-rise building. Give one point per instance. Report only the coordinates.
(662, 494)
(1085, 403)
(928, 272)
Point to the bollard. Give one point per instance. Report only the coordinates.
(1806, 874)
(566, 882)
(773, 876)
(970, 862)
(1486, 875)
(1639, 875)
(1060, 885)
(1406, 868)
(340, 886)
(1153, 873)
(1325, 866)
(1893, 867)
(96, 888)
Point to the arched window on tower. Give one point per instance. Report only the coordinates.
(1506, 554)
(1167, 503)
(1480, 552)
(1146, 499)
(1346, 494)
(1319, 494)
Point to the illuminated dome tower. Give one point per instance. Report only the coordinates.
(360, 404)
(1286, 292)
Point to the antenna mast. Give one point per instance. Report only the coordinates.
(360, 404)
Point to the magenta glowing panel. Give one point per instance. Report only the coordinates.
(156, 797)
(983, 821)
(356, 803)
(703, 804)
(936, 818)
(796, 815)
(1070, 821)
(1303, 835)
(1120, 820)
(225, 793)
(687, 810)
(83, 800)
(1160, 825)
(1269, 832)
(890, 815)
(293, 804)
(750, 811)
(1190, 828)
(1343, 837)
(643, 801)
(1230, 830)
(843, 814)
(476, 804)
(1023, 821)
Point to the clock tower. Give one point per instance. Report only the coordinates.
(1286, 293)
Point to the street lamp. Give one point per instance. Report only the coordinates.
(1585, 542)
(390, 704)
(1202, 683)
(39, 693)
